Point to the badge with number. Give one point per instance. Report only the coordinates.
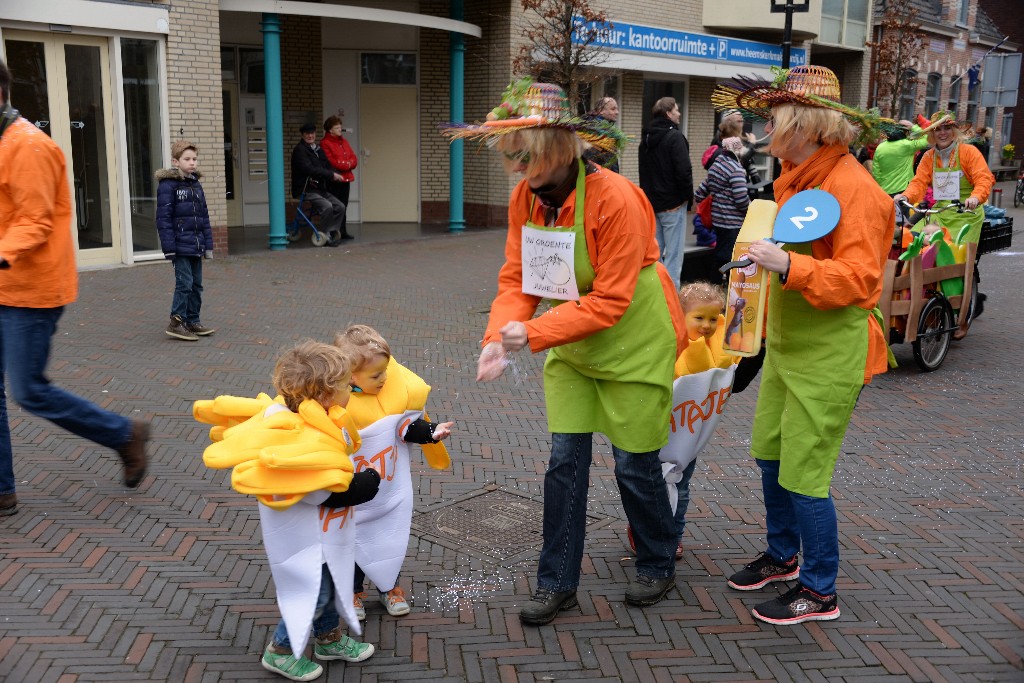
(807, 216)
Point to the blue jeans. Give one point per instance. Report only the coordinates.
(793, 519)
(671, 234)
(188, 288)
(25, 335)
(325, 618)
(683, 489)
(359, 578)
(644, 499)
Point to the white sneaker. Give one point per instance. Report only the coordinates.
(357, 602)
(395, 601)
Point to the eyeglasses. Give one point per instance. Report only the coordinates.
(520, 157)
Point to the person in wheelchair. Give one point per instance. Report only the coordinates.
(311, 173)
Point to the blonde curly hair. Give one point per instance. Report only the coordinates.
(311, 370)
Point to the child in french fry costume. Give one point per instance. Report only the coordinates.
(824, 337)
(292, 453)
(703, 379)
(387, 406)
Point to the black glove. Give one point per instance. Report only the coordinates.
(746, 370)
(363, 487)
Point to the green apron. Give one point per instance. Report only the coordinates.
(617, 381)
(813, 374)
(952, 220)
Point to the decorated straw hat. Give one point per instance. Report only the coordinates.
(810, 86)
(939, 118)
(529, 105)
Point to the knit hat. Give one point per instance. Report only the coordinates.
(809, 86)
(525, 105)
(733, 144)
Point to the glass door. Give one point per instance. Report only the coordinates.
(62, 85)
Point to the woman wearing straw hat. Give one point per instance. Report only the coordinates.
(955, 171)
(583, 238)
(823, 342)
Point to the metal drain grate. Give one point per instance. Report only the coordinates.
(493, 525)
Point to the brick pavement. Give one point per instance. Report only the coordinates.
(169, 582)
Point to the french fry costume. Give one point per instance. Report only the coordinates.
(965, 175)
(704, 375)
(382, 535)
(288, 461)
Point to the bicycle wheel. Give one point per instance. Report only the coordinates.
(934, 334)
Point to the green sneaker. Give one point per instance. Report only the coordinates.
(344, 648)
(289, 666)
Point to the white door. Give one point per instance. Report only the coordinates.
(62, 84)
(341, 98)
(389, 153)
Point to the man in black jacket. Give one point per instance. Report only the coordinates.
(666, 177)
(312, 172)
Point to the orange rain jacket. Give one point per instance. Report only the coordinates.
(972, 163)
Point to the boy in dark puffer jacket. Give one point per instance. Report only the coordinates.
(183, 222)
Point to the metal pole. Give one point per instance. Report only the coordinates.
(271, 28)
(457, 58)
(787, 34)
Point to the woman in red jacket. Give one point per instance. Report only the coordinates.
(343, 159)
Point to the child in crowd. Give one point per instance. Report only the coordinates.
(293, 454)
(387, 407)
(183, 222)
(703, 304)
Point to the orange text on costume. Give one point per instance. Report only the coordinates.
(328, 515)
(691, 412)
(383, 462)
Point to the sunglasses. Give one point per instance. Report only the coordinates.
(520, 157)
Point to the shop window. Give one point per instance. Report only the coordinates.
(844, 22)
(931, 96)
(388, 69)
(908, 94)
(655, 90)
(954, 95)
(227, 64)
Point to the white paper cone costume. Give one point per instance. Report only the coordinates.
(382, 535)
(291, 462)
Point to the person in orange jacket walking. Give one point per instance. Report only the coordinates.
(38, 278)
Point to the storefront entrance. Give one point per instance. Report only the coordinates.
(62, 85)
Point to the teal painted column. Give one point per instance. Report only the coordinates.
(456, 220)
(271, 28)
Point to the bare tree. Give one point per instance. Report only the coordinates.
(562, 43)
(896, 51)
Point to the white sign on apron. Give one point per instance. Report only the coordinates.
(697, 404)
(946, 185)
(382, 535)
(549, 268)
(298, 540)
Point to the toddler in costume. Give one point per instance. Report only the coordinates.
(387, 407)
(292, 453)
(704, 374)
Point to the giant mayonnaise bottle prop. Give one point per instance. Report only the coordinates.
(748, 285)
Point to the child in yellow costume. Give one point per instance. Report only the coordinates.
(704, 374)
(292, 453)
(387, 407)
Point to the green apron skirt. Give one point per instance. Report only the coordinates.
(954, 221)
(813, 374)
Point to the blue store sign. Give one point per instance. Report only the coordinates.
(686, 45)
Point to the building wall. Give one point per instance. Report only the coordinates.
(301, 83)
(1007, 16)
(194, 99)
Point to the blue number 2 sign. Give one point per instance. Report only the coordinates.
(807, 216)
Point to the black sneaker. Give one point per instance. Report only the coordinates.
(762, 571)
(545, 605)
(199, 329)
(797, 605)
(645, 591)
(178, 329)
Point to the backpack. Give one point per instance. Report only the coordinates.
(703, 210)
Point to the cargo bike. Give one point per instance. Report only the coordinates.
(928, 297)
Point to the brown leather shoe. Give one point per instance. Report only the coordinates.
(8, 504)
(133, 454)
